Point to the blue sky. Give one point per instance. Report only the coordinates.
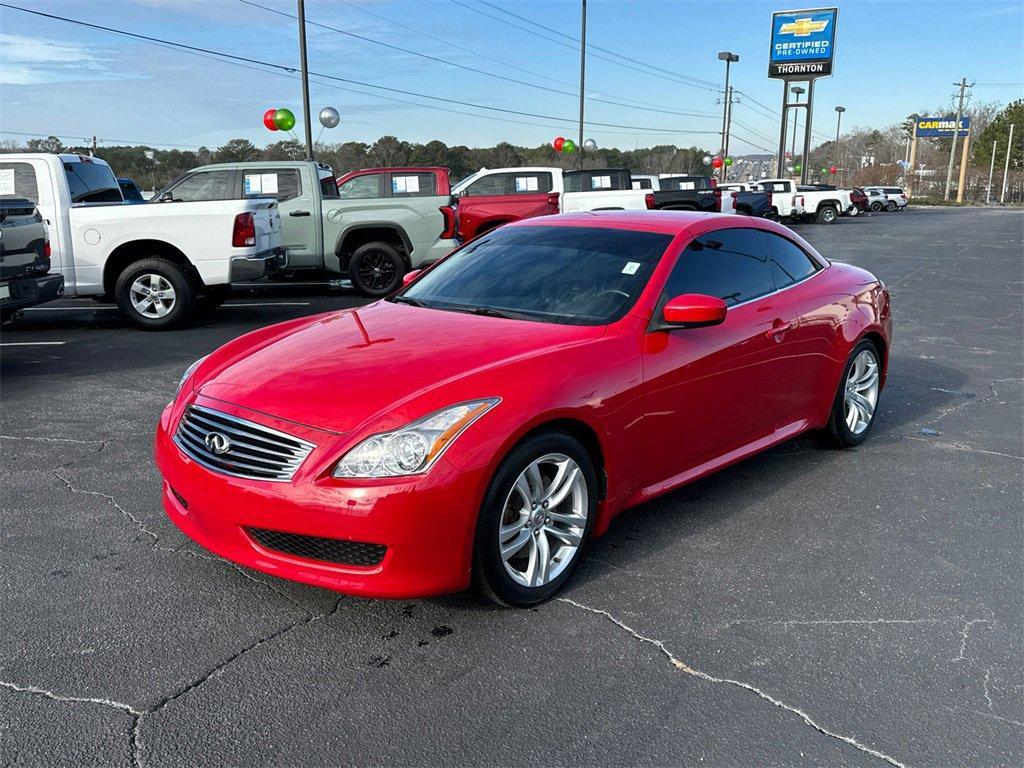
(892, 58)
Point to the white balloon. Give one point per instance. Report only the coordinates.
(590, 144)
(707, 159)
(329, 117)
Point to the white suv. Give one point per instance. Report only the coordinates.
(896, 197)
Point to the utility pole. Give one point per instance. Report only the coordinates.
(728, 57)
(1006, 166)
(92, 152)
(991, 168)
(583, 79)
(305, 80)
(956, 133)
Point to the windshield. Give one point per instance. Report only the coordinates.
(568, 275)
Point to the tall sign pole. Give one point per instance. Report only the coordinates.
(305, 80)
(952, 148)
(802, 50)
(583, 79)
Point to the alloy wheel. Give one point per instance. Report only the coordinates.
(376, 270)
(543, 520)
(861, 393)
(152, 295)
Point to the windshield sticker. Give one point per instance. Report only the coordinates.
(7, 181)
(526, 184)
(601, 182)
(631, 268)
(405, 184)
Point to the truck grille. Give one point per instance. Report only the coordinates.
(233, 446)
(339, 551)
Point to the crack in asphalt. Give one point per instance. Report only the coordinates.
(961, 447)
(52, 440)
(965, 633)
(687, 669)
(111, 502)
(138, 758)
(971, 401)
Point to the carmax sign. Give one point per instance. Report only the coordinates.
(940, 127)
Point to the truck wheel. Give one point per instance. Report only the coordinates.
(155, 294)
(827, 214)
(376, 269)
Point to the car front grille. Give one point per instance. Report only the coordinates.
(340, 551)
(240, 448)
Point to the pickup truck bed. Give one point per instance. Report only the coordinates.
(25, 278)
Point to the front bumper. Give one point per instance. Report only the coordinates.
(426, 523)
(266, 264)
(25, 292)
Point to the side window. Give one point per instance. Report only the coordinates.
(413, 185)
(283, 184)
(205, 185)
(328, 185)
(18, 180)
(360, 187)
(530, 183)
(728, 263)
(487, 185)
(789, 262)
(642, 184)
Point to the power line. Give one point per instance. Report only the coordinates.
(674, 79)
(485, 57)
(273, 65)
(127, 142)
(474, 70)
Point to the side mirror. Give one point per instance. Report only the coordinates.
(693, 310)
(410, 276)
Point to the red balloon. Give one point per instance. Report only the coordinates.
(268, 119)
(832, 169)
(716, 162)
(558, 143)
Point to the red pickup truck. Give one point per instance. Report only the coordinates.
(488, 199)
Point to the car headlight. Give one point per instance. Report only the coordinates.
(414, 448)
(189, 371)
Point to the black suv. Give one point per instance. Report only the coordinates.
(24, 259)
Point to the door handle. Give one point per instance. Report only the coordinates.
(299, 213)
(778, 328)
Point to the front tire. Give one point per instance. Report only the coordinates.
(855, 211)
(376, 269)
(856, 400)
(827, 214)
(155, 294)
(876, 207)
(535, 520)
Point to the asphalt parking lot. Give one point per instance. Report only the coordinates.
(806, 607)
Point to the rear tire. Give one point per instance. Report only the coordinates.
(890, 206)
(827, 214)
(376, 269)
(840, 433)
(876, 207)
(155, 294)
(505, 507)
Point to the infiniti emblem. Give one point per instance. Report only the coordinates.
(217, 442)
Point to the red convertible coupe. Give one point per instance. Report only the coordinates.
(484, 422)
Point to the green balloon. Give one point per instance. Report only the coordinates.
(797, 168)
(728, 161)
(284, 119)
(824, 170)
(569, 146)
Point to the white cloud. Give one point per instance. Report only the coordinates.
(33, 60)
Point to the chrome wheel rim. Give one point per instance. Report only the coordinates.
(861, 393)
(543, 520)
(152, 295)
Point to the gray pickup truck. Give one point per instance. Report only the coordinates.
(24, 259)
(373, 225)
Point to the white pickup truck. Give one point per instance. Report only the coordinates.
(825, 206)
(160, 262)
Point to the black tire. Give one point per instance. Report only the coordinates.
(772, 214)
(827, 214)
(184, 301)
(213, 296)
(489, 574)
(376, 269)
(876, 207)
(854, 211)
(838, 434)
(890, 206)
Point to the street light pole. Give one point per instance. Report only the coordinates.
(1006, 165)
(305, 80)
(991, 169)
(583, 80)
(839, 120)
(728, 57)
(796, 90)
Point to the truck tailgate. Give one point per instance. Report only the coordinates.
(268, 222)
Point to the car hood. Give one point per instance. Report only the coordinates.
(337, 371)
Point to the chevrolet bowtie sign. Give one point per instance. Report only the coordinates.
(803, 43)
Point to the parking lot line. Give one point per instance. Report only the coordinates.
(31, 343)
